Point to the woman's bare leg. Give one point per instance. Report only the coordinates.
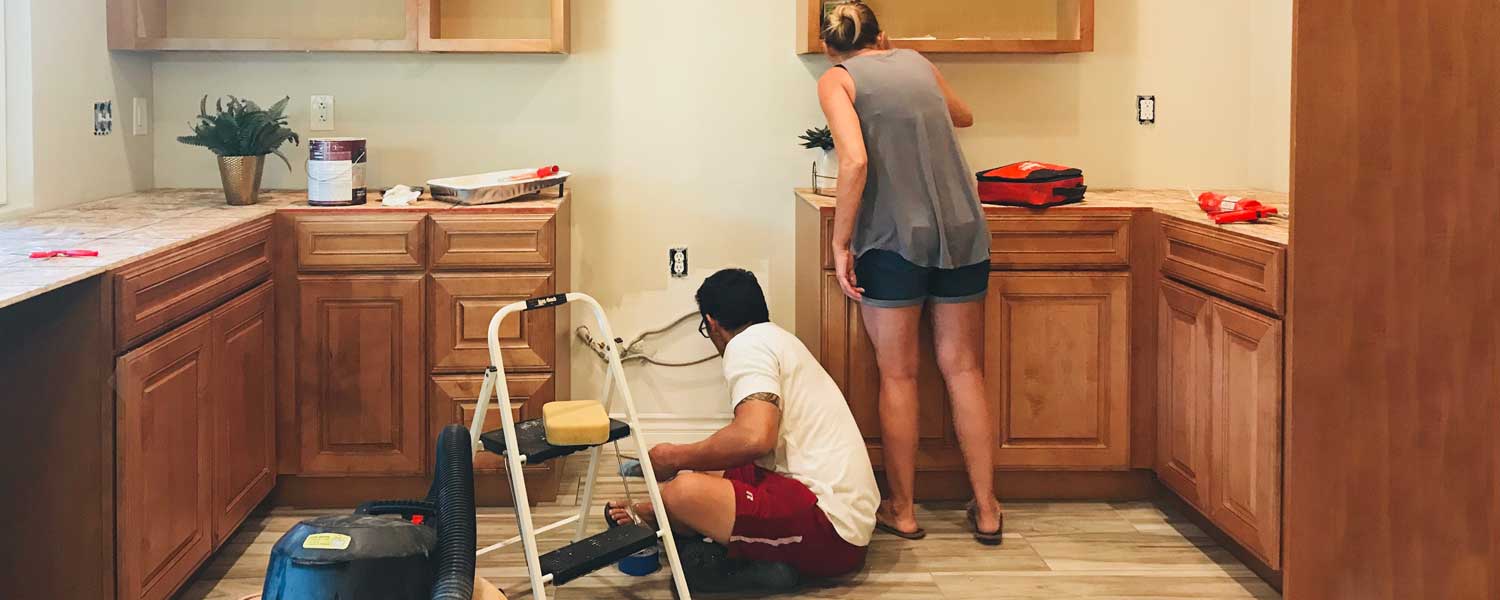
(893, 332)
(958, 334)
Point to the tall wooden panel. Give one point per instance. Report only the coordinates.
(1245, 489)
(1060, 376)
(165, 521)
(1393, 465)
(360, 375)
(244, 407)
(1183, 387)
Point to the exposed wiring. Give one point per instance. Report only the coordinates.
(632, 352)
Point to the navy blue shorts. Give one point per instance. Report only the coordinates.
(891, 281)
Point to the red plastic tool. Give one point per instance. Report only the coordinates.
(1244, 215)
(66, 253)
(541, 173)
(1225, 209)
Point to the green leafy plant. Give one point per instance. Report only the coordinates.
(242, 128)
(821, 138)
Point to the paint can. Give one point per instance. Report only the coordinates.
(336, 171)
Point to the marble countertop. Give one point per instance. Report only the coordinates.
(128, 228)
(1179, 204)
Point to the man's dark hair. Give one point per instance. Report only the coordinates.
(733, 298)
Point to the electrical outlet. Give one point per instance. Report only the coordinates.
(322, 113)
(104, 117)
(1145, 109)
(677, 262)
(140, 123)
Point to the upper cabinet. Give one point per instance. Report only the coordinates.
(967, 26)
(533, 26)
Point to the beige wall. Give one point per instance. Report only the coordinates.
(679, 118)
(55, 158)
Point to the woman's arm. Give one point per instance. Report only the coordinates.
(836, 94)
(962, 116)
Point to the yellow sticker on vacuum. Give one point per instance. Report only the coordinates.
(327, 541)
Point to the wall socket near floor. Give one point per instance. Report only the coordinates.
(140, 119)
(322, 113)
(677, 262)
(1145, 109)
(104, 117)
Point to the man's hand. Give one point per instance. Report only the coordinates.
(664, 461)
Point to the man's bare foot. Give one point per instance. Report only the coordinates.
(620, 516)
(904, 521)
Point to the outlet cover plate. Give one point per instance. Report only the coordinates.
(104, 117)
(677, 262)
(322, 113)
(1145, 109)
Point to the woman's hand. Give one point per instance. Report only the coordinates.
(843, 265)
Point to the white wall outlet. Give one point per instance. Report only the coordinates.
(104, 117)
(677, 262)
(1145, 109)
(140, 121)
(322, 113)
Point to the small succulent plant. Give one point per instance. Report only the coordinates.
(240, 127)
(820, 138)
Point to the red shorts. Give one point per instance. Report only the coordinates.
(777, 519)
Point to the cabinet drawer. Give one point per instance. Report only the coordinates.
(1240, 268)
(461, 307)
(464, 241)
(454, 398)
(161, 292)
(365, 243)
(1060, 241)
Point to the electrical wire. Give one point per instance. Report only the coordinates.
(631, 353)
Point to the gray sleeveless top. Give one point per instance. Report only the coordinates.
(921, 200)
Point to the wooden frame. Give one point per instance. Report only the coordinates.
(810, 19)
(140, 25)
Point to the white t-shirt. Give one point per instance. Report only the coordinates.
(819, 444)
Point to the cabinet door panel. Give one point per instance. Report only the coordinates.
(165, 521)
(849, 355)
(1245, 498)
(462, 305)
(453, 399)
(360, 375)
(244, 408)
(1184, 389)
(1057, 368)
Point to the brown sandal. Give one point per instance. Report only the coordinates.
(906, 535)
(988, 539)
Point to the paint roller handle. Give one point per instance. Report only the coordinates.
(541, 173)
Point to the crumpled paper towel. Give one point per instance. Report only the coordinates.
(400, 196)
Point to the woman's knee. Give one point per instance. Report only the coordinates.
(958, 362)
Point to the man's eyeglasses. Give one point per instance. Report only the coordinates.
(703, 326)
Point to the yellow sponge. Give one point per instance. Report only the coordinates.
(575, 423)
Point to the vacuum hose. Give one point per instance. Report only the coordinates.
(450, 507)
(453, 493)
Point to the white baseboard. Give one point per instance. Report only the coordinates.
(663, 427)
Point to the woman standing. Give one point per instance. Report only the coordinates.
(909, 232)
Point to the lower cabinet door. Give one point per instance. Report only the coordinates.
(1184, 388)
(164, 487)
(360, 375)
(849, 356)
(454, 398)
(244, 420)
(1245, 488)
(1057, 369)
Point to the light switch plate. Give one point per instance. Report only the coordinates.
(322, 113)
(140, 123)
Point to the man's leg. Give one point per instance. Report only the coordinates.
(695, 501)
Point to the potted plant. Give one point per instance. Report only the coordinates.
(241, 134)
(826, 165)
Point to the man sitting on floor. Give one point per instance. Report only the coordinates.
(797, 490)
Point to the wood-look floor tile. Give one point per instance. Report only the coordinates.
(1132, 551)
(1101, 586)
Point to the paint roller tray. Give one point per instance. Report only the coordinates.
(492, 188)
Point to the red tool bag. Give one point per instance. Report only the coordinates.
(1032, 184)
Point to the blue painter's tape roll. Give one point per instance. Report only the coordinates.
(642, 563)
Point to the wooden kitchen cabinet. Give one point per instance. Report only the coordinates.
(460, 311)
(1184, 386)
(165, 519)
(244, 407)
(1057, 369)
(360, 374)
(1245, 488)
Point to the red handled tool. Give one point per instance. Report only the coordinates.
(67, 253)
(1225, 209)
(541, 173)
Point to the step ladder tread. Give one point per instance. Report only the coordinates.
(531, 436)
(596, 552)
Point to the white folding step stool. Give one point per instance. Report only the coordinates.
(529, 440)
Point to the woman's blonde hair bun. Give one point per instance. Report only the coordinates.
(851, 26)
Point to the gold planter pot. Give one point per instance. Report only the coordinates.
(241, 176)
